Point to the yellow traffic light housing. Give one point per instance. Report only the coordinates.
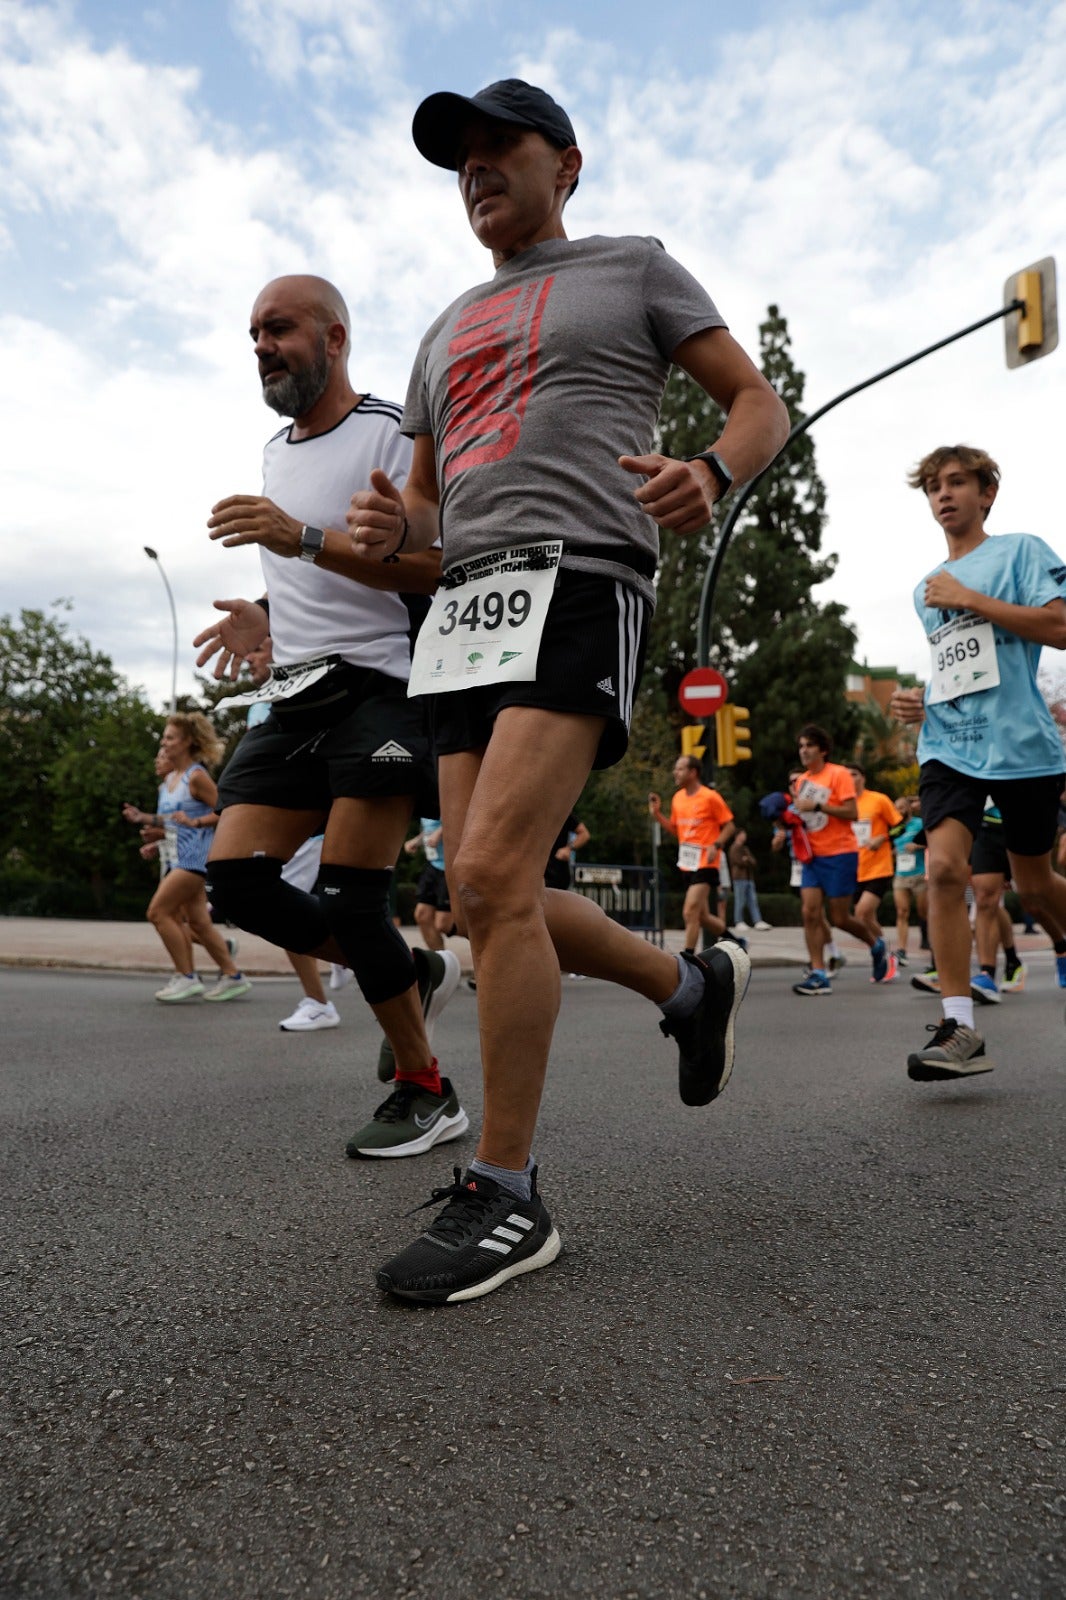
(731, 736)
(1033, 330)
(690, 741)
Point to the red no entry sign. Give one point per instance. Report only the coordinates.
(703, 692)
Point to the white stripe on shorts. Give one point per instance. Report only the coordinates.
(629, 618)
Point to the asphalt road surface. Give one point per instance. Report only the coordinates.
(805, 1342)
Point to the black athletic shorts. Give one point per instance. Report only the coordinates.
(989, 853)
(708, 875)
(1029, 806)
(433, 889)
(368, 741)
(591, 658)
(877, 886)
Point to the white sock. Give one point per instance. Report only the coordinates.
(959, 1006)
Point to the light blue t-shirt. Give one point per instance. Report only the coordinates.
(1005, 732)
(434, 852)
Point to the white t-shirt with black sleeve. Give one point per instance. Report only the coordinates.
(314, 612)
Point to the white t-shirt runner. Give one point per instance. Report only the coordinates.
(318, 613)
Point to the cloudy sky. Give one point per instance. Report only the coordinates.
(877, 170)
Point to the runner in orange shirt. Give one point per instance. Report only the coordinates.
(825, 797)
(873, 835)
(702, 822)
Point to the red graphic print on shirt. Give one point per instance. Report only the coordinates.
(493, 355)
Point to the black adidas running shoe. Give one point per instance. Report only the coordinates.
(484, 1236)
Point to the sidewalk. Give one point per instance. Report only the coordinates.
(135, 947)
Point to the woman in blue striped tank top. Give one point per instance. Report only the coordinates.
(187, 816)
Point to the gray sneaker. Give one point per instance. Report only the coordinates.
(411, 1121)
(228, 988)
(954, 1051)
(179, 989)
(438, 973)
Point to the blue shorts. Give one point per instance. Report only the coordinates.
(836, 876)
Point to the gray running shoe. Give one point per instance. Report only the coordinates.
(954, 1051)
(179, 989)
(926, 981)
(410, 1121)
(228, 988)
(438, 973)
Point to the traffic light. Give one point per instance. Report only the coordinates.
(731, 737)
(690, 741)
(1033, 331)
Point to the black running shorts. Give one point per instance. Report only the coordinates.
(433, 889)
(590, 661)
(708, 875)
(371, 744)
(1029, 806)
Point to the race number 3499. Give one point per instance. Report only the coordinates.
(486, 620)
(489, 612)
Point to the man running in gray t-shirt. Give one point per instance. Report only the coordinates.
(532, 405)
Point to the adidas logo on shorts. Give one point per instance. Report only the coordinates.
(606, 686)
(391, 751)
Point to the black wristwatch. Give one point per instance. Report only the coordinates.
(721, 472)
(311, 542)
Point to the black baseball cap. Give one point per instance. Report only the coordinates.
(440, 120)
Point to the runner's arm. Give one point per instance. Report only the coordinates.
(1044, 624)
(383, 520)
(681, 495)
(253, 519)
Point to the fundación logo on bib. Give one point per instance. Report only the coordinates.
(392, 752)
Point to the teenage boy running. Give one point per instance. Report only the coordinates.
(987, 611)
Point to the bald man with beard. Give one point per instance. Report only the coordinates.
(343, 751)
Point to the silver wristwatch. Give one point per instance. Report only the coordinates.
(311, 542)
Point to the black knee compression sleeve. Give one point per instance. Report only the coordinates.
(252, 893)
(355, 904)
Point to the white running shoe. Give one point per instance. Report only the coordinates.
(311, 1014)
(438, 998)
(339, 977)
(228, 988)
(180, 988)
(742, 927)
(763, 927)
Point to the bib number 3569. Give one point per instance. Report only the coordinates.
(486, 620)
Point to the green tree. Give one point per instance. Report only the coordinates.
(75, 739)
(99, 768)
(786, 655)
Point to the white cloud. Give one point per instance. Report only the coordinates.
(875, 177)
(328, 40)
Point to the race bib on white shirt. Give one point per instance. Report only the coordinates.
(813, 821)
(486, 620)
(285, 683)
(690, 857)
(962, 659)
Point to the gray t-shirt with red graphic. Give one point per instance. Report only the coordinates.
(534, 384)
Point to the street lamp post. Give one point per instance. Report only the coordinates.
(152, 556)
